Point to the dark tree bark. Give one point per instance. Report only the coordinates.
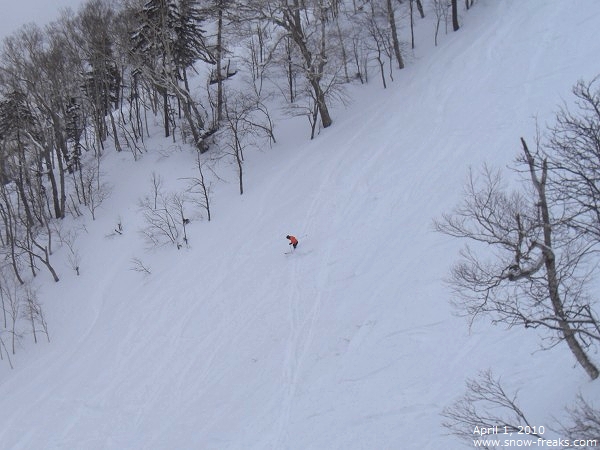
(219, 57)
(455, 25)
(420, 8)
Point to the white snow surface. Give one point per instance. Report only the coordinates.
(350, 342)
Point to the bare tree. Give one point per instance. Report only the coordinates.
(157, 184)
(161, 223)
(306, 24)
(379, 42)
(440, 10)
(178, 201)
(10, 290)
(139, 266)
(535, 279)
(4, 351)
(96, 191)
(584, 424)
(487, 409)
(201, 186)
(394, 33)
(486, 406)
(74, 257)
(11, 230)
(37, 64)
(246, 124)
(33, 313)
(219, 8)
(573, 153)
(164, 216)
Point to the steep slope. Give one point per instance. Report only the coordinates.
(349, 343)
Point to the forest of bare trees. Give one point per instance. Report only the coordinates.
(95, 79)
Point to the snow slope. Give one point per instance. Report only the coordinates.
(350, 342)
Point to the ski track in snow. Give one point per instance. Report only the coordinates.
(301, 325)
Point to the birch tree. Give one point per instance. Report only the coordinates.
(305, 22)
(535, 278)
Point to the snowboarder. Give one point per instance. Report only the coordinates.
(293, 240)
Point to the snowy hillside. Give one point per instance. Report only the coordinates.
(350, 342)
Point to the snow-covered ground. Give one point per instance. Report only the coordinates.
(350, 343)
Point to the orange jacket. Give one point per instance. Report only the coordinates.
(293, 240)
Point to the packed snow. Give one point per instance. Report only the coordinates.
(350, 341)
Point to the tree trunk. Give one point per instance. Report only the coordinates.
(322, 59)
(314, 69)
(290, 70)
(322, 104)
(166, 111)
(420, 8)
(455, 25)
(396, 43)
(343, 50)
(551, 271)
(219, 57)
(60, 207)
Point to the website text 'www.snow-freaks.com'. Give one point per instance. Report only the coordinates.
(532, 442)
(525, 437)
